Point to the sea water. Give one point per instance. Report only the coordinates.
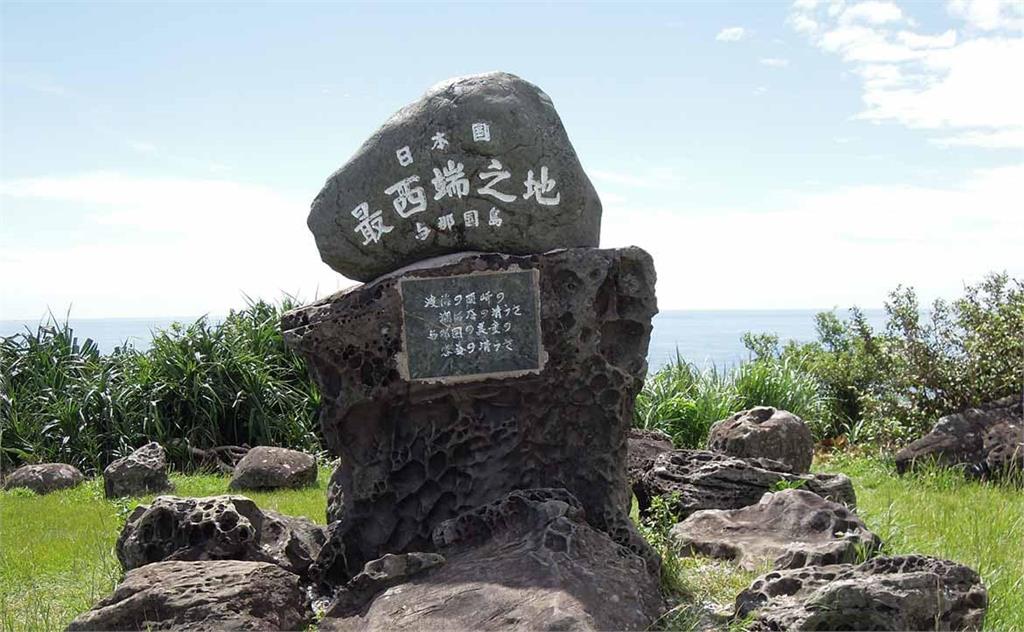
(701, 337)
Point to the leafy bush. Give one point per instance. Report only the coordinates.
(200, 385)
(891, 386)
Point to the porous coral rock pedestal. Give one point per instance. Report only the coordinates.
(415, 453)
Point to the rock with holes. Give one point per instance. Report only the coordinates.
(202, 596)
(265, 467)
(765, 432)
(983, 441)
(529, 561)
(693, 480)
(641, 448)
(910, 592)
(788, 529)
(479, 163)
(216, 528)
(142, 472)
(43, 478)
(415, 452)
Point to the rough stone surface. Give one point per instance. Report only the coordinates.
(376, 577)
(414, 454)
(43, 478)
(216, 528)
(525, 134)
(142, 472)
(265, 467)
(697, 479)
(526, 562)
(790, 529)
(642, 447)
(766, 432)
(909, 592)
(984, 441)
(212, 595)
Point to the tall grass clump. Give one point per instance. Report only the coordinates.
(683, 400)
(200, 385)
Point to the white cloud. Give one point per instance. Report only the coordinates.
(731, 34)
(871, 12)
(158, 246)
(773, 62)
(963, 87)
(989, 15)
(838, 247)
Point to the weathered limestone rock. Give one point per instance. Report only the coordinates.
(142, 472)
(765, 432)
(641, 448)
(211, 595)
(216, 528)
(376, 577)
(416, 452)
(43, 478)
(265, 467)
(697, 479)
(909, 592)
(487, 152)
(984, 441)
(790, 528)
(529, 561)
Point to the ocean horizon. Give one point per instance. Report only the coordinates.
(704, 337)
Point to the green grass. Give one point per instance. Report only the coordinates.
(57, 551)
(940, 513)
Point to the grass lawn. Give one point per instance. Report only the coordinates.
(57, 551)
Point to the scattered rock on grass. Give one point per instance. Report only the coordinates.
(212, 595)
(790, 528)
(642, 447)
(265, 467)
(526, 562)
(142, 472)
(765, 432)
(692, 480)
(984, 441)
(910, 592)
(215, 528)
(43, 478)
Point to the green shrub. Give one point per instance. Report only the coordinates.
(891, 386)
(201, 385)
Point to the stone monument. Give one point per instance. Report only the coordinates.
(492, 348)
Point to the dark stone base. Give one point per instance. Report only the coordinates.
(417, 453)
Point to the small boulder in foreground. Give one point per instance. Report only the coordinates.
(200, 596)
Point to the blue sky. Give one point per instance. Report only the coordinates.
(159, 159)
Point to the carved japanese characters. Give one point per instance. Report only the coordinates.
(480, 163)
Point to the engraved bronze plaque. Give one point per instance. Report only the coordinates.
(471, 326)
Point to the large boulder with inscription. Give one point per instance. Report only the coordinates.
(43, 478)
(987, 441)
(447, 386)
(764, 431)
(479, 163)
(908, 592)
(202, 596)
(142, 472)
(787, 529)
(216, 528)
(694, 480)
(266, 467)
(529, 561)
